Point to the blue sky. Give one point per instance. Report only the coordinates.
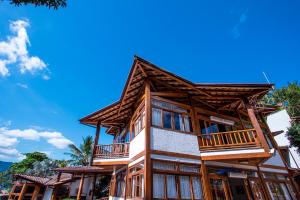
(79, 57)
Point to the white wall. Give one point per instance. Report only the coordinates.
(171, 141)
(137, 145)
(281, 121)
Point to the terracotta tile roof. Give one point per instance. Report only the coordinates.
(35, 179)
(52, 180)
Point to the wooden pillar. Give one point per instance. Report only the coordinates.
(205, 182)
(264, 185)
(257, 127)
(93, 186)
(35, 192)
(12, 191)
(96, 140)
(80, 187)
(147, 161)
(21, 194)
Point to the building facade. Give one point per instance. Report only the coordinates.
(174, 139)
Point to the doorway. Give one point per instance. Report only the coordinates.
(238, 188)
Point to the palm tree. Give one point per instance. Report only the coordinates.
(81, 155)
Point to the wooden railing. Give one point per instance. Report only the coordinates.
(228, 140)
(108, 151)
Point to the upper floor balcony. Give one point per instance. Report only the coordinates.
(229, 140)
(112, 151)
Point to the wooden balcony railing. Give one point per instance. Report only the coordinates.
(109, 151)
(228, 140)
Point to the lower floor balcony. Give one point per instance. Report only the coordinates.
(111, 151)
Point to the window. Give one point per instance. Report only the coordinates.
(169, 186)
(139, 124)
(206, 127)
(135, 182)
(167, 119)
(169, 116)
(173, 180)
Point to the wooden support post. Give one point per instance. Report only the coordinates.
(258, 129)
(80, 187)
(147, 161)
(93, 186)
(24, 187)
(12, 191)
(35, 192)
(96, 140)
(205, 182)
(264, 185)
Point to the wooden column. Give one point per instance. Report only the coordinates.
(264, 185)
(12, 191)
(35, 192)
(93, 186)
(205, 182)
(147, 161)
(21, 194)
(257, 127)
(80, 187)
(96, 140)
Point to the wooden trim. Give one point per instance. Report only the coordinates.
(258, 129)
(172, 154)
(80, 187)
(137, 156)
(205, 182)
(125, 162)
(273, 167)
(237, 156)
(147, 166)
(24, 187)
(35, 192)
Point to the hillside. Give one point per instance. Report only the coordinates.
(4, 165)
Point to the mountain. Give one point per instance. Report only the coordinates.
(4, 165)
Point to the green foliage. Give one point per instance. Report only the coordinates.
(289, 96)
(294, 136)
(81, 155)
(27, 163)
(44, 168)
(48, 3)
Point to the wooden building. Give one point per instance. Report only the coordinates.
(175, 139)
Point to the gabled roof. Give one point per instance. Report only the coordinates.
(46, 181)
(213, 96)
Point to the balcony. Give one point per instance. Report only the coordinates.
(229, 140)
(112, 151)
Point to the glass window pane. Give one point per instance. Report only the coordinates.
(163, 166)
(171, 186)
(187, 123)
(197, 187)
(156, 117)
(185, 189)
(178, 122)
(189, 168)
(158, 186)
(167, 119)
(202, 127)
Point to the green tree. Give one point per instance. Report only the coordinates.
(81, 155)
(294, 136)
(27, 163)
(48, 3)
(289, 96)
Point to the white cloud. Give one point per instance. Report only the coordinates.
(54, 138)
(14, 51)
(22, 85)
(6, 141)
(235, 31)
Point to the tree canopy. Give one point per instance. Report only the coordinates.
(81, 155)
(55, 4)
